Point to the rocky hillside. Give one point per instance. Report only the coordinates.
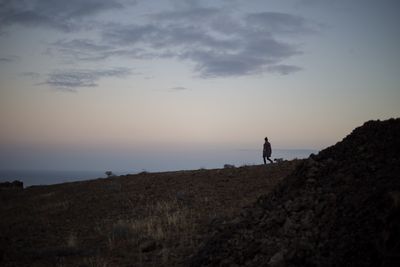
(338, 208)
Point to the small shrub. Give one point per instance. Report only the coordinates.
(109, 173)
(229, 166)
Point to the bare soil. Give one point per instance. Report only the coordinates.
(148, 219)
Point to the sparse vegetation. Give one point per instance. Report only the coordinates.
(229, 166)
(72, 240)
(148, 219)
(109, 173)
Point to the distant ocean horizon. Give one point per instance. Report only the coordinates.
(210, 160)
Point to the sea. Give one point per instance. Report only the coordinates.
(203, 160)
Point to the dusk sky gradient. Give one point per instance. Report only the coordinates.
(111, 83)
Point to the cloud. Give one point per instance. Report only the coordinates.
(178, 88)
(70, 80)
(90, 50)
(197, 14)
(331, 5)
(56, 14)
(31, 75)
(218, 42)
(249, 46)
(82, 49)
(283, 69)
(275, 22)
(158, 36)
(317, 2)
(254, 58)
(8, 59)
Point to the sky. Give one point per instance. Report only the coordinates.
(116, 83)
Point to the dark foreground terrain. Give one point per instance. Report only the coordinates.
(149, 219)
(338, 208)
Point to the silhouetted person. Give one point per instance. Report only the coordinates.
(267, 151)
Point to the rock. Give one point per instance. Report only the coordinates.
(311, 181)
(339, 208)
(279, 217)
(257, 213)
(148, 245)
(289, 228)
(306, 221)
(319, 208)
(236, 220)
(278, 260)
(289, 205)
(312, 172)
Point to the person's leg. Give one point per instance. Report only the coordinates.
(269, 160)
(265, 163)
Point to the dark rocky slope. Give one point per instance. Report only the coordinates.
(338, 208)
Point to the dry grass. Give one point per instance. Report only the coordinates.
(166, 224)
(72, 240)
(138, 220)
(96, 261)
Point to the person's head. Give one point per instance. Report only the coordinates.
(266, 139)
